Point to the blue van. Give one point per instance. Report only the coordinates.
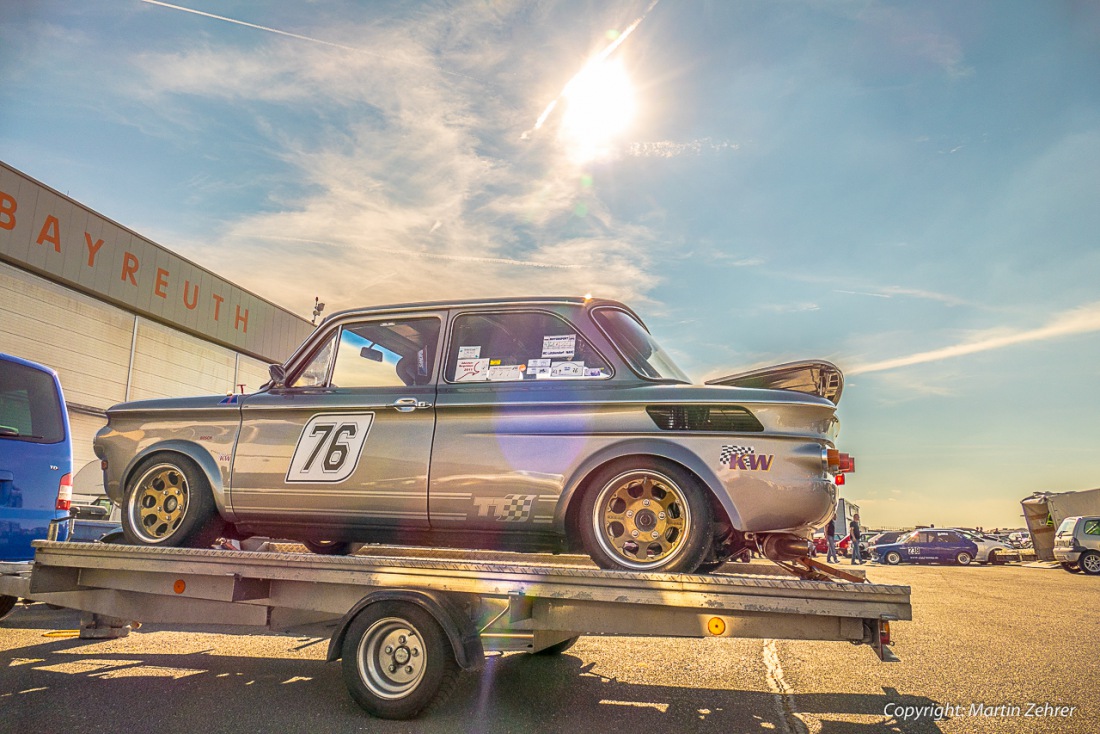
(36, 458)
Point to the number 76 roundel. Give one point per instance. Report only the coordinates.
(329, 448)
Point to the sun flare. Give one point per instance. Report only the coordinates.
(599, 107)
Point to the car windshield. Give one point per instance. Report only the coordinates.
(638, 347)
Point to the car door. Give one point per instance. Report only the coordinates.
(916, 547)
(347, 441)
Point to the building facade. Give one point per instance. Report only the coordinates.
(121, 317)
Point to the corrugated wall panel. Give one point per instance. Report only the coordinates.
(171, 364)
(252, 373)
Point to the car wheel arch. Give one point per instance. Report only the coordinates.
(200, 456)
(566, 516)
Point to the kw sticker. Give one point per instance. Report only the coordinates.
(329, 448)
(509, 508)
(745, 458)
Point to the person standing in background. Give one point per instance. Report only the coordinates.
(830, 536)
(853, 528)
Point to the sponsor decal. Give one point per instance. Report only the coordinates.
(472, 370)
(469, 352)
(509, 508)
(559, 346)
(329, 448)
(745, 458)
(505, 373)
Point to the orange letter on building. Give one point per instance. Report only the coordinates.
(129, 267)
(93, 250)
(217, 305)
(190, 303)
(162, 283)
(51, 232)
(7, 212)
(237, 323)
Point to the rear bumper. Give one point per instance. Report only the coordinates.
(1067, 555)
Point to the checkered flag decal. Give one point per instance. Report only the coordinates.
(516, 508)
(728, 452)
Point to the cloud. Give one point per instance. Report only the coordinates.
(895, 290)
(1084, 319)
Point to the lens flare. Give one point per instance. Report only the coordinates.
(599, 107)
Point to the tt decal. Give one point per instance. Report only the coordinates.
(329, 448)
(509, 508)
(745, 458)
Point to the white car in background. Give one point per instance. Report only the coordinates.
(990, 549)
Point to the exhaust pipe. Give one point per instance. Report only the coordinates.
(784, 547)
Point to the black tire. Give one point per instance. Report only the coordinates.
(1089, 562)
(7, 603)
(327, 547)
(558, 648)
(646, 515)
(1072, 567)
(991, 559)
(963, 558)
(168, 503)
(892, 558)
(397, 660)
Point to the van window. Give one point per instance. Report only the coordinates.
(30, 409)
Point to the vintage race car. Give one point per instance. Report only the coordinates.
(522, 424)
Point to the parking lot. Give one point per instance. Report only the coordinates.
(990, 649)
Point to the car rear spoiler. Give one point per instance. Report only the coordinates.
(813, 377)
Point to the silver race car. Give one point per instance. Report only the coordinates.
(521, 424)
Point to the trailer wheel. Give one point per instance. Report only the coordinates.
(647, 516)
(327, 547)
(963, 558)
(169, 503)
(558, 648)
(1089, 562)
(892, 558)
(397, 660)
(7, 603)
(1072, 567)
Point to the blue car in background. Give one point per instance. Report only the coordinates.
(36, 460)
(928, 545)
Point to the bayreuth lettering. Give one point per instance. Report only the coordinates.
(130, 271)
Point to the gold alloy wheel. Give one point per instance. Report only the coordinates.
(642, 519)
(158, 503)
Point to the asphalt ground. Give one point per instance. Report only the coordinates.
(987, 647)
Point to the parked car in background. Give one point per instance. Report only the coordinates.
(990, 549)
(527, 424)
(883, 538)
(35, 460)
(98, 521)
(931, 545)
(1077, 544)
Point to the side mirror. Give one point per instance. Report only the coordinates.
(277, 373)
(374, 355)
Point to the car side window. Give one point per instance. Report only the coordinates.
(315, 373)
(390, 353)
(1092, 527)
(520, 346)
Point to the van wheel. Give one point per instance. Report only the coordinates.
(168, 503)
(963, 558)
(1089, 562)
(647, 515)
(892, 558)
(327, 547)
(7, 603)
(397, 660)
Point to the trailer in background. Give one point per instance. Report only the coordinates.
(1045, 511)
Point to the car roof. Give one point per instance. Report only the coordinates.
(577, 301)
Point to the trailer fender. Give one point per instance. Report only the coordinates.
(460, 629)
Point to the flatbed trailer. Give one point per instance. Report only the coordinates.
(405, 625)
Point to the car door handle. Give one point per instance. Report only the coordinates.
(407, 405)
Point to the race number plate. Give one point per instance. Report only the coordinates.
(329, 448)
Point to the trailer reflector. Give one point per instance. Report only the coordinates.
(180, 586)
(716, 626)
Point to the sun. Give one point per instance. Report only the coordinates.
(599, 107)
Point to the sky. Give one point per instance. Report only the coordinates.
(908, 189)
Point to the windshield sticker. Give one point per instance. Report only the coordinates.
(745, 458)
(505, 373)
(421, 363)
(472, 370)
(567, 369)
(469, 352)
(593, 372)
(559, 346)
(329, 448)
(539, 367)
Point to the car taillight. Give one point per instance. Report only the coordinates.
(839, 480)
(832, 460)
(847, 463)
(65, 492)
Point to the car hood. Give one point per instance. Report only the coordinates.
(813, 377)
